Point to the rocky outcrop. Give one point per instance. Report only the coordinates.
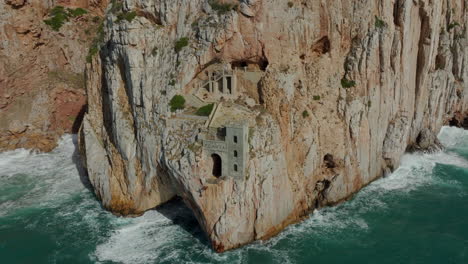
(346, 87)
(42, 91)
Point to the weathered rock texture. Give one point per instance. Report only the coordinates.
(312, 142)
(42, 71)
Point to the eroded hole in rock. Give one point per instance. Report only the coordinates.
(321, 188)
(440, 62)
(256, 64)
(397, 12)
(329, 161)
(217, 165)
(454, 122)
(261, 99)
(322, 46)
(183, 214)
(239, 64)
(263, 63)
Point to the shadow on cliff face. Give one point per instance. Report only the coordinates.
(459, 122)
(176, 211)
(84, 178)
(78, 120)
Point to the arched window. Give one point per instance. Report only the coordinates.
(235, 139)
(235, 153)
(235, 167)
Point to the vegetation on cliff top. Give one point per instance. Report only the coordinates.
(345, 83)
(97, 42)
(177, 102)
(205, 110)
(453, 25)
(129, 16)
(221, 8)
(379, 23)
(181, 43)
(59, 15)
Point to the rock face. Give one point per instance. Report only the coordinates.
(346, 87)
(42, 71)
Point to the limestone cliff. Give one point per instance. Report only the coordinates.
(42, 70)
(332, 92)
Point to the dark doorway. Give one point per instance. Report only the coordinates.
(217, 166)
(229, 85)
(221, 85)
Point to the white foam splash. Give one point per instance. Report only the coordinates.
(452, 136)
(153, 238)
(46, 178)
(149, 238)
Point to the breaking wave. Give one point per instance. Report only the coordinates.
(148, 239)
(43, 192)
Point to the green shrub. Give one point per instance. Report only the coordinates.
(58, 16)
(172, 82)
(205, 110)
(221, 8)
(116, 6)
(305, 114)
(345, 83)
(93, 50)
(57, 10)
(369, 103)
(76, 12)
(129, 16)
(379, 23)
(316, 97)
(97, 42)
(290, 4)
(453, 25)
(181, 43)
(177, 102)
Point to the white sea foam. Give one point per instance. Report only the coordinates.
(452, 136)
(148, 239)
(154, 238)
(46, 178)
(415, 171)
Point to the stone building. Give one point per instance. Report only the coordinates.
(222, 82)
(229, 156)
(218, 83)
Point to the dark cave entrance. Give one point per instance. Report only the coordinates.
(217, 165)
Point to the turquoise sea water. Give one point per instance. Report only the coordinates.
(419, 214)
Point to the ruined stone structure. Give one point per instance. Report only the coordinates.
(221, 82)
(218, 82)
(229, 155)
